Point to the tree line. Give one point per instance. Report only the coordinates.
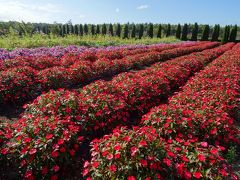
(184, 32)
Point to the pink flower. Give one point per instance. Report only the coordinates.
(201, 158)
(134, 151)
(204, 144)
(143, 143)
(95, 164)
(56, 168)
(143, 162)
(131, 178)
(32, 151)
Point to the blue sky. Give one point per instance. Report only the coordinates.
(138, 11)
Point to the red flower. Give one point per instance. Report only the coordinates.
(56, 168)
(117, 156)
(187, 175)
(214, 151)
(54, 154)
(117, 147)
(49, 136)
(197, 175)
(28, 174)
(171, 154)
(131, 178)
(95, 164)
(62, 149)
(185, 159)
(44, 170)
(201, 158)
(223, 172)
(60, 141)
(213, 131)
(113, 168)
(143, 162)
(134, 151)
(143, 143)
(72, 152)
(54, 177)
(127, 138)
(85, 172)
(167, 162)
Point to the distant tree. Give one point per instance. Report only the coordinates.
(159, 33)
(76, 29)
(233, 34)
(216, 31)
(118, 30)
(61, 30)
(85, 28)
(125, 31)
(104, 29)
(110, 29)
(195, 32)
(98, 29)
(168, 32)
(81, 30)
(184, 32)
(226, 34)
(72, 29)
(64, 30)
(150, 30)
(141, 31)
(178, 32)
(68, 28)
(133, 34)
(93, 29)
(205, 34)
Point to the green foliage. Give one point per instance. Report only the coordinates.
(168, 32)
(195, 32)
(233, 34)
(184, 32)
(40, 40)
(231, 154)
(159, 33)
(178, 32)
(150, 30)
(141, 31)
(205, 34)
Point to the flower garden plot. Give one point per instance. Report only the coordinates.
(66, 118)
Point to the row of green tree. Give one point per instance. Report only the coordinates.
(184, 32)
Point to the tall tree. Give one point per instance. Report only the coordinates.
(110, 29)
(150, 30)
(72, 29)
(133, 34)
(93, 29)
(226, 34)
(76, 29)
(168, 32)
(68, 28)
(178, 32)
(98, 29)
(233, 34)
(215, 33)
(64, 30)
(118, 30)
(85, 28)
(125, 31)
(184, 32)
(81, 30)
(205, 34)
(195, 32)
(104, 29)
(141, 31)
(159, 33)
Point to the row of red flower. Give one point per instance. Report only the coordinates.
(48, 138)
(25, 83)
(188, 138)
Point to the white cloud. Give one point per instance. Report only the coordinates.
(34, 12)
(145, 6)
(117, 10)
